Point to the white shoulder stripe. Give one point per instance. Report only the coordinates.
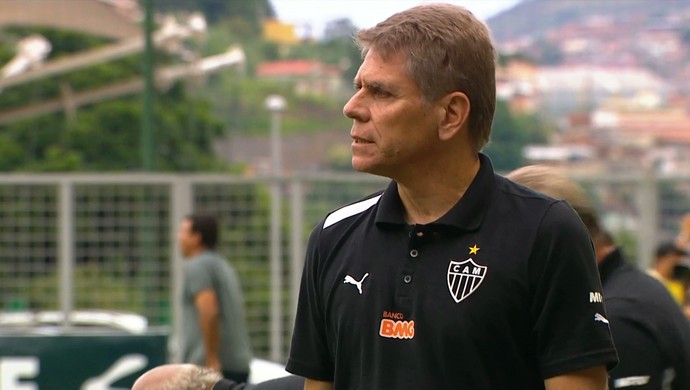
(349, 211)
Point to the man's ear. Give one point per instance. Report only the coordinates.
(455, 110)
(196, 236)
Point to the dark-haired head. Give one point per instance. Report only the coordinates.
(206, 226)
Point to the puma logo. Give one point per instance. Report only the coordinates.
(599, 317)
(350, 280)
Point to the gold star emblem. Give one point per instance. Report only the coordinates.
(474, 249)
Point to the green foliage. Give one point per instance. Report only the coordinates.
(11, 153)
(627, 241)
(510, 134)
(95, 288)
(240, 104)
(105, 136)
(245, 12)
(58, 159)
(63, 42)
(239, 101)
(340, 158)
(340, 51)
(505, 59)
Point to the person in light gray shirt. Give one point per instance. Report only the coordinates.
(214, 333)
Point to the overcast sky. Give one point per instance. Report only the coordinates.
(366, 13)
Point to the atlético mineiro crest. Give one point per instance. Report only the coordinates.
(464, 277)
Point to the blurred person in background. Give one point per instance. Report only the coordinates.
(214, 333)
(683, 238)
(650, 333)
(682, 271)
(667, 258)
(193, 377)
(452, 277)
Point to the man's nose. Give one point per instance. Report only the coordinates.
(354, 109)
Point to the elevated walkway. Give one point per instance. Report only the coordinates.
(110, 19)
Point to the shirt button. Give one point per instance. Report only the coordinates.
(414, 253)
(407, 279)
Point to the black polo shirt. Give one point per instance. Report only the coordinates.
(651, 333)
(499, 293)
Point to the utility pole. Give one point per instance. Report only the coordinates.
(276, 105)
(150, 265)
(147, 127)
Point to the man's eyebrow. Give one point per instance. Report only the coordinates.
(375, 85)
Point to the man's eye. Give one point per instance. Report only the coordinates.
(381, 93)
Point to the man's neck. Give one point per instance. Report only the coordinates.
(665, 270)
(196, 252)
(429, 197)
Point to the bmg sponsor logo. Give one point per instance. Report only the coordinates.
(394, 326)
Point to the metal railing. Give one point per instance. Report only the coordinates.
(107, 241)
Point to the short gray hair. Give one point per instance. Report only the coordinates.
(555, 183)
(447, 49)
(193, 378)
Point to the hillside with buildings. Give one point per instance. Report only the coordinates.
(613, 75)
(610, 78)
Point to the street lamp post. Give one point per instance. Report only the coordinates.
(276, 105)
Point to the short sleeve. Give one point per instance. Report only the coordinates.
(310, 355)
(570, 328)
(198, 277)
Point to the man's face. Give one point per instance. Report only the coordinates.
(675, 258)
(188, 240)
(393, 129)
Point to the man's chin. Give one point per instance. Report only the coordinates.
(361, 166)
(367, 167)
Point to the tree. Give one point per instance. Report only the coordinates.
(342, 28)
(105, 136)
(253, 11)
(336, 50)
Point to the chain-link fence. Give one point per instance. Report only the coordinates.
(108, 241)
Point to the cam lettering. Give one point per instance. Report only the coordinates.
(458, 268)
(396, 329)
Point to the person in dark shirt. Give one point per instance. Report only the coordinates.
(453, 276)
(649, 330)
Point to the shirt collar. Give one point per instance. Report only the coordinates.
(467, 214)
